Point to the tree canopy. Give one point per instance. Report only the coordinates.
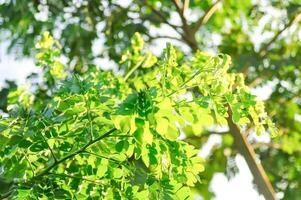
(188, 92)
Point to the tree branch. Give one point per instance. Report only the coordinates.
(75, 153)
(188, 32)
(260, 177)
(6, 195)
(97, 182)
(134, 69)
(185, 7)
(263, 144)
(204, 19)
(165, 37)
(164, 20)
(264, 49)
(50, 149)
(180, 9)
(100, 156)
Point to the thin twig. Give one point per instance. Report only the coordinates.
(33, 173)
(264, 50)
(204, 19)
(263, 144)
(159, 14)
(180, 8)
(89, 117)
(185, 7)
(6, 195)
(164, 37)
(50, 149)
(190, 79)
(134, 69)
(100, 156)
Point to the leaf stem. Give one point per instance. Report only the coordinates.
(133, 69)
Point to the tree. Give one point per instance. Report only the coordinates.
(84, 143)
(272, 61)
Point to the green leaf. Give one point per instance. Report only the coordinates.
(24, 143)
(172, 133)
(23, 193)
(149, 61)
(122, 145)
(117, 173)
(102, 168)
(36, 147)
(122, 122)
(162, 126)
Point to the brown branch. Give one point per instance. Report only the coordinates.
(264, 49)
(204, 19)
(180, 8)
(164, 20)
(272, 146)
(185, 7)
(155, 37)
(260, 177)
(269, 145)
(166, 37)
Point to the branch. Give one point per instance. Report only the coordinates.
(188, 34)
(33, 173)
(88, 106)
(164, 20)
(134, 69)
(263, 50)
(180, 10)
(97, 182)
(204, 19)
(6, 195)
(75, 153)
(260, 177)
(185, 7)
(263, 144)
(100, 156)
(164, 37)
(272, 146)
(50, 149)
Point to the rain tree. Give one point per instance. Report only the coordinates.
(103, 135)
(262, 38)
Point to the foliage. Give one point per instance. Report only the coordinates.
(103, 135)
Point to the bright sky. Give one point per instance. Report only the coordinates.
(12, 69)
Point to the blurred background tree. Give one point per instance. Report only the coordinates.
(262, 37)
